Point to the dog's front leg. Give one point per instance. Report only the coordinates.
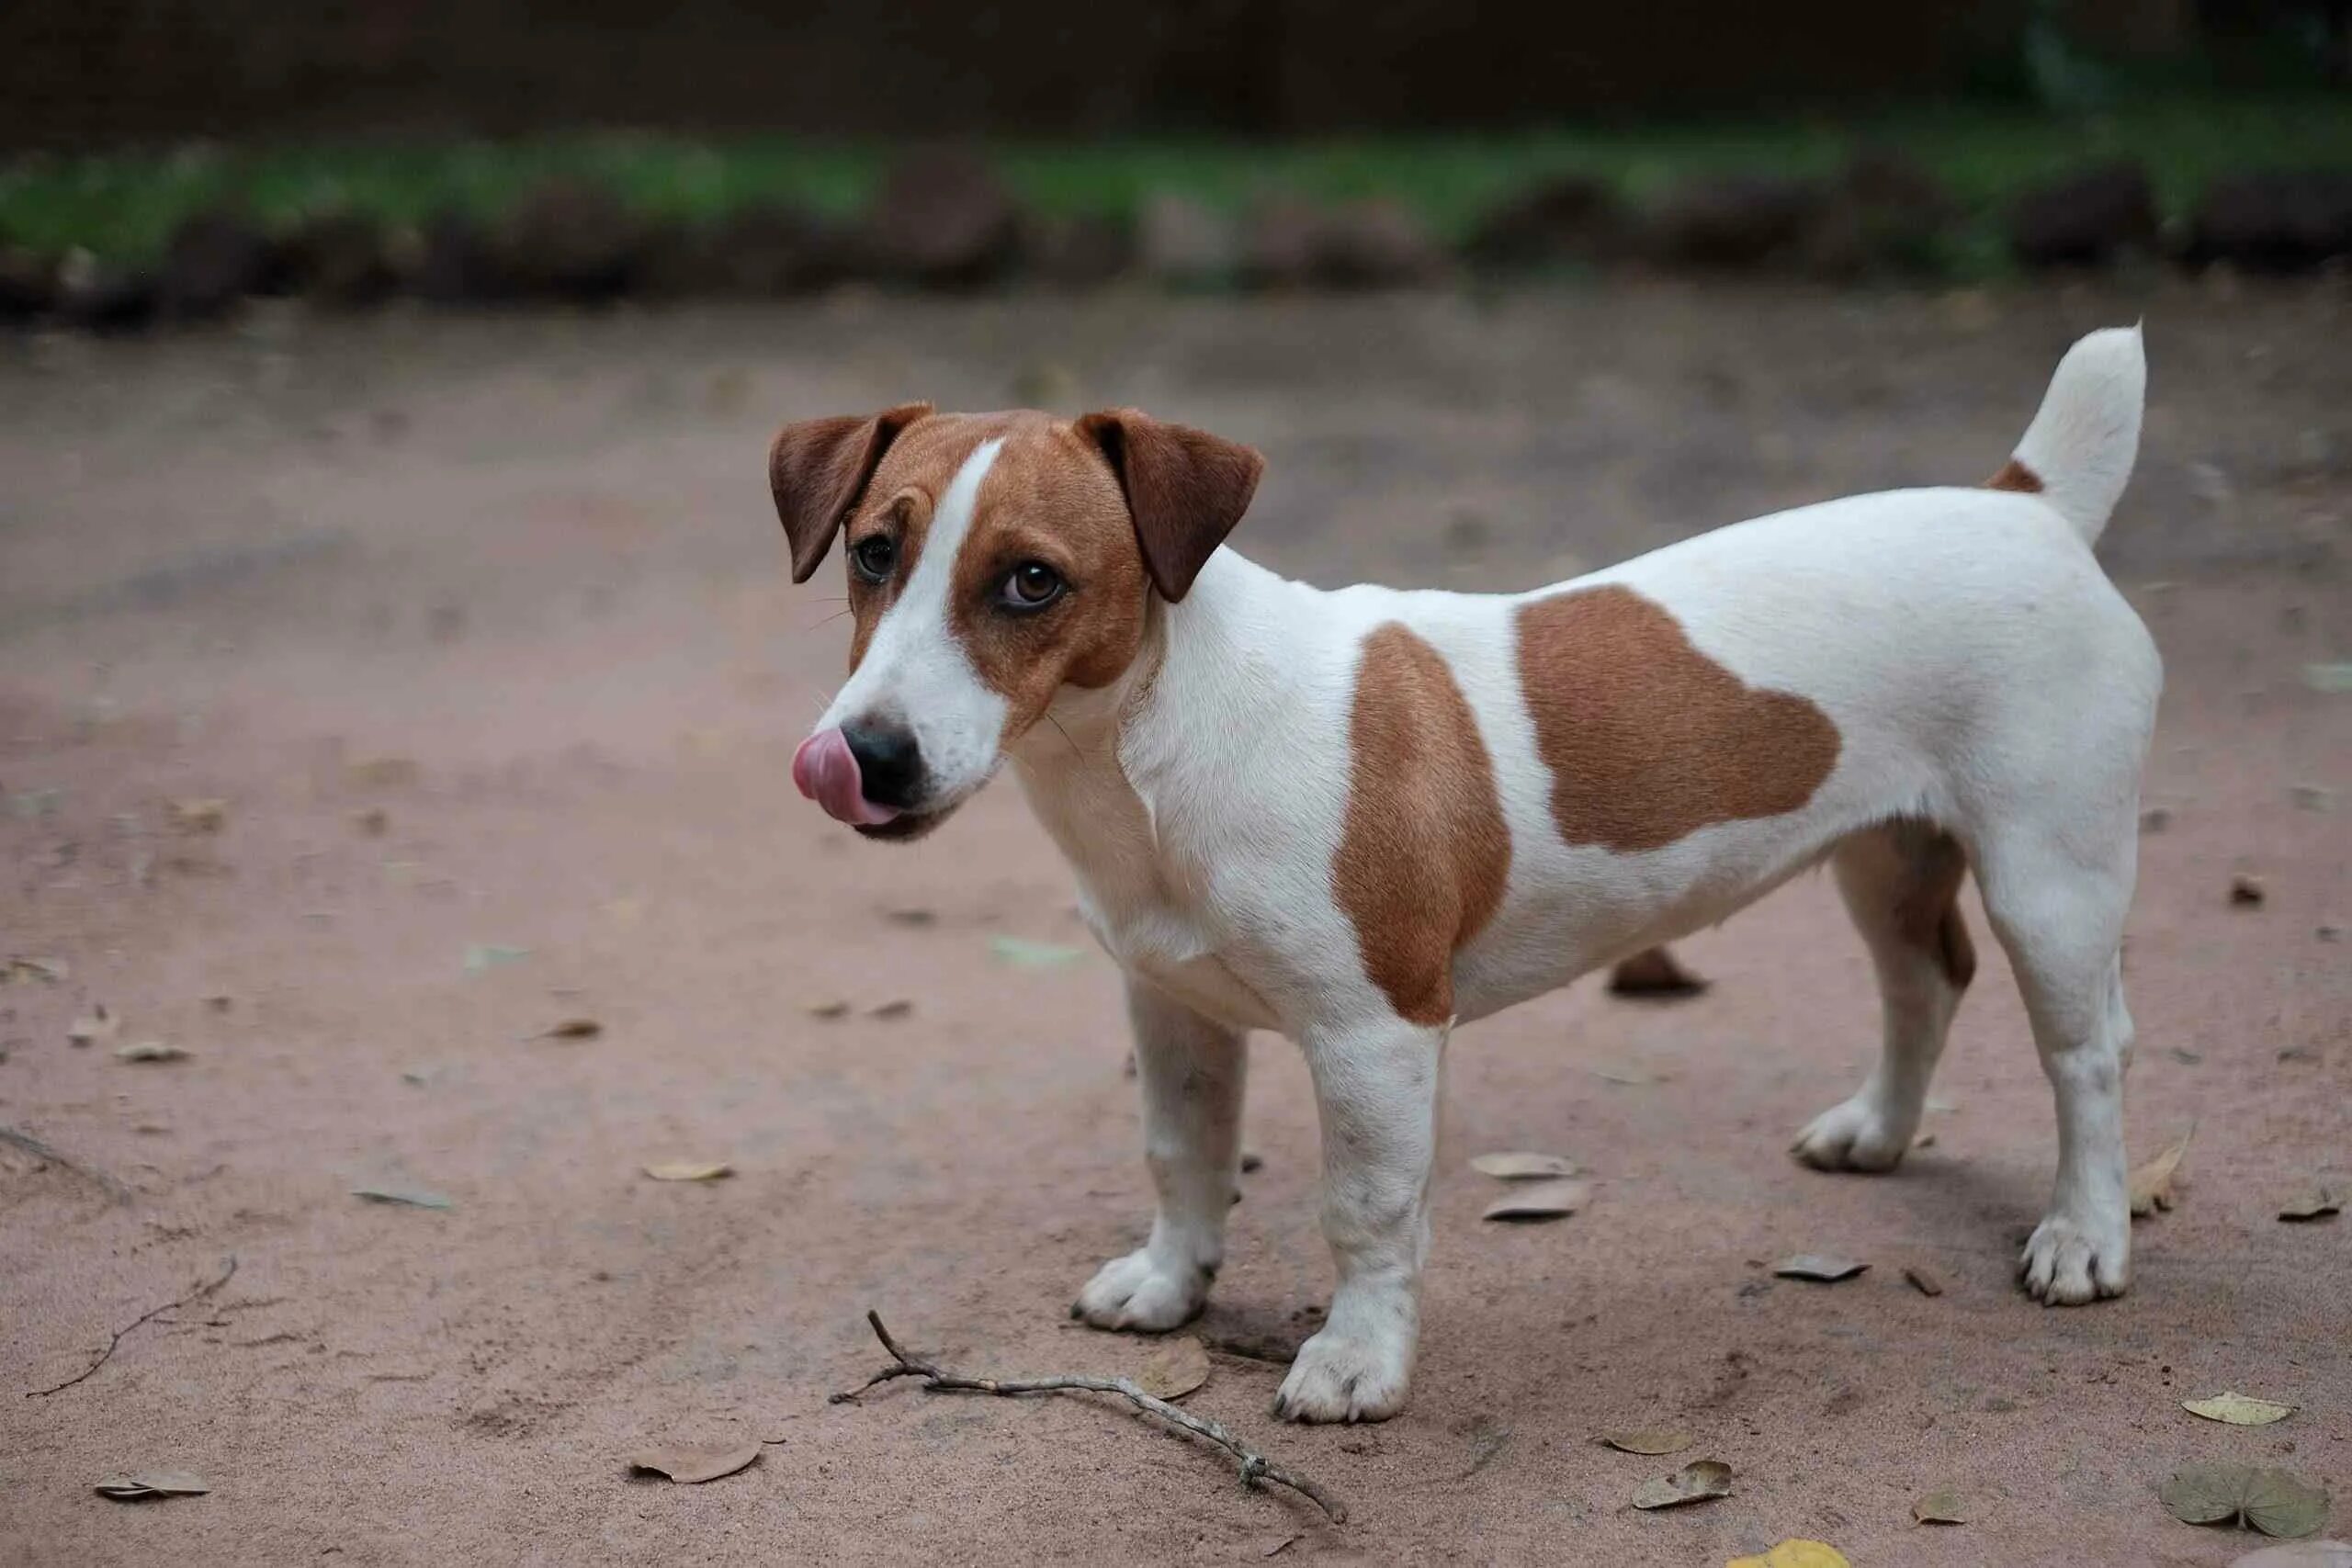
(1191, 1071)
(1376, 1087)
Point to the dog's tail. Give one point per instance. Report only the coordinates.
(2078, 451)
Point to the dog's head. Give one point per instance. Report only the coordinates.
(993, 560)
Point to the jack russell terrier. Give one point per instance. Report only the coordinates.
(1361, 817)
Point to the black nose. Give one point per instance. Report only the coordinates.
(890, 763)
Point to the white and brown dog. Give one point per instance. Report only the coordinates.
(1359, 817)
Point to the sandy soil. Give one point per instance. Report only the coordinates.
(479, 631)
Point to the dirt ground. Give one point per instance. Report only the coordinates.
(479, 631)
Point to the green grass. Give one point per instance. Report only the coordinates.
(124, 206)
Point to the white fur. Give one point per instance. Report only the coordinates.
(916, 671)
(1984, 677)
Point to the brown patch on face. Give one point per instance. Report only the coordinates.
(897, 502)
(1049, 498)
(2016, 475)
(1647, 738)
(1425, 852)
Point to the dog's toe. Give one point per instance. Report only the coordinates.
(1346, 1379)
(2064, 1264)
(1851, 1135)
(1139, 1292)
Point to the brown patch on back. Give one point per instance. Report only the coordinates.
(1424, 853)
(2016, 475)
(1647, 738)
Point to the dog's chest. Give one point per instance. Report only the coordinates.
(1162, 941)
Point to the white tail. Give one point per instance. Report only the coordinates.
(2079, 449)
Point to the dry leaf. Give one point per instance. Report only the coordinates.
(2238, 1409)
(2335, 679)
(99, 1025)
(483, 956)
(2272, 1501)
(913, 918)
(375, 821)
(152, 1484)
(199, 815)
(691, 1467)
(1795, 1555)
(1924, 1141)
(383, 773)
(2152, 1183)
(1175, 1370)
(2247, 892)
(397, 1195)
(219, 1001)
(1923, 1279)
(1693, 1482)
(1539, 1201)
(1517, 1166)
(1943, 1508)
(690, 1170)
(1020, 953)
(1664, 1441)
(898, 1008)
(1818, 1266)
(2316, 1204)
(49, 971)
(2300, 1554)
(1633, 1077)
(150, 1051)
(2312, 798)
(574, 1029)
(829, 1009)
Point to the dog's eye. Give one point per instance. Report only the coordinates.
(1032, 585)
(874, 558)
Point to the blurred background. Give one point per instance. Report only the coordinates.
(399, 674)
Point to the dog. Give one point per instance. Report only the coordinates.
(1361, 817)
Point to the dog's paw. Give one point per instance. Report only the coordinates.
(2067, 1262)
(1139, 1292)
(1352, 1377)
(1851, 1135)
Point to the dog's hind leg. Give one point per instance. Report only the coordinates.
(1900, 884)
(2057, 900)
(1191, 1072)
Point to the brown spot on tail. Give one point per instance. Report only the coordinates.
(1424, 852)
(2016, 475)
(1648, 740)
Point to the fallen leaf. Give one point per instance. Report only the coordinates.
(2247, 892)
(1252, 1162)
(2316, 1204)
(1023, 954)
(574, 1029)
(375, 821)
(2272, 1501)
(1924, 1141)
(1175, 1370)
(199, 815)
(2156, 819)
(2334, 679)
(397, 1195)
(1664, 1441)
(219, 1001)
(1522, 1166)
(2238, 1409)
(913, 918)
(152, 1484)
(2312, 798)
(150, 1051)
(485, 955)
(1818, 1266)
(2152, 1183)
(1693, 1482)
(1795, 1553)
(1923, 1279)
(690, 1170)
(383, 773)
(1631, 1076)
(49, 971)
(1281, 1546)
(691, 1467)
(1943, 1508)
(1539, 1201)
(829, 1009)
(2298, 1555)
(2186, 1058)
(898, 1009)
(1938, 1107)
(99, 1025)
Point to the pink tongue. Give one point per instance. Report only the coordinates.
(826, 771)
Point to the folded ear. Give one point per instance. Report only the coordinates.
(1185, 489)
(818, 467)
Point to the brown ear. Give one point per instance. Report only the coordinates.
(1185, 489)
(818, 467)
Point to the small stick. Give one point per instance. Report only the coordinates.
(148, 1316)
(39, 1150)
(1255, 1466)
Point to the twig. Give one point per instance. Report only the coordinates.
(39, 1150)
(1255, 1466)
(124, 1332)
